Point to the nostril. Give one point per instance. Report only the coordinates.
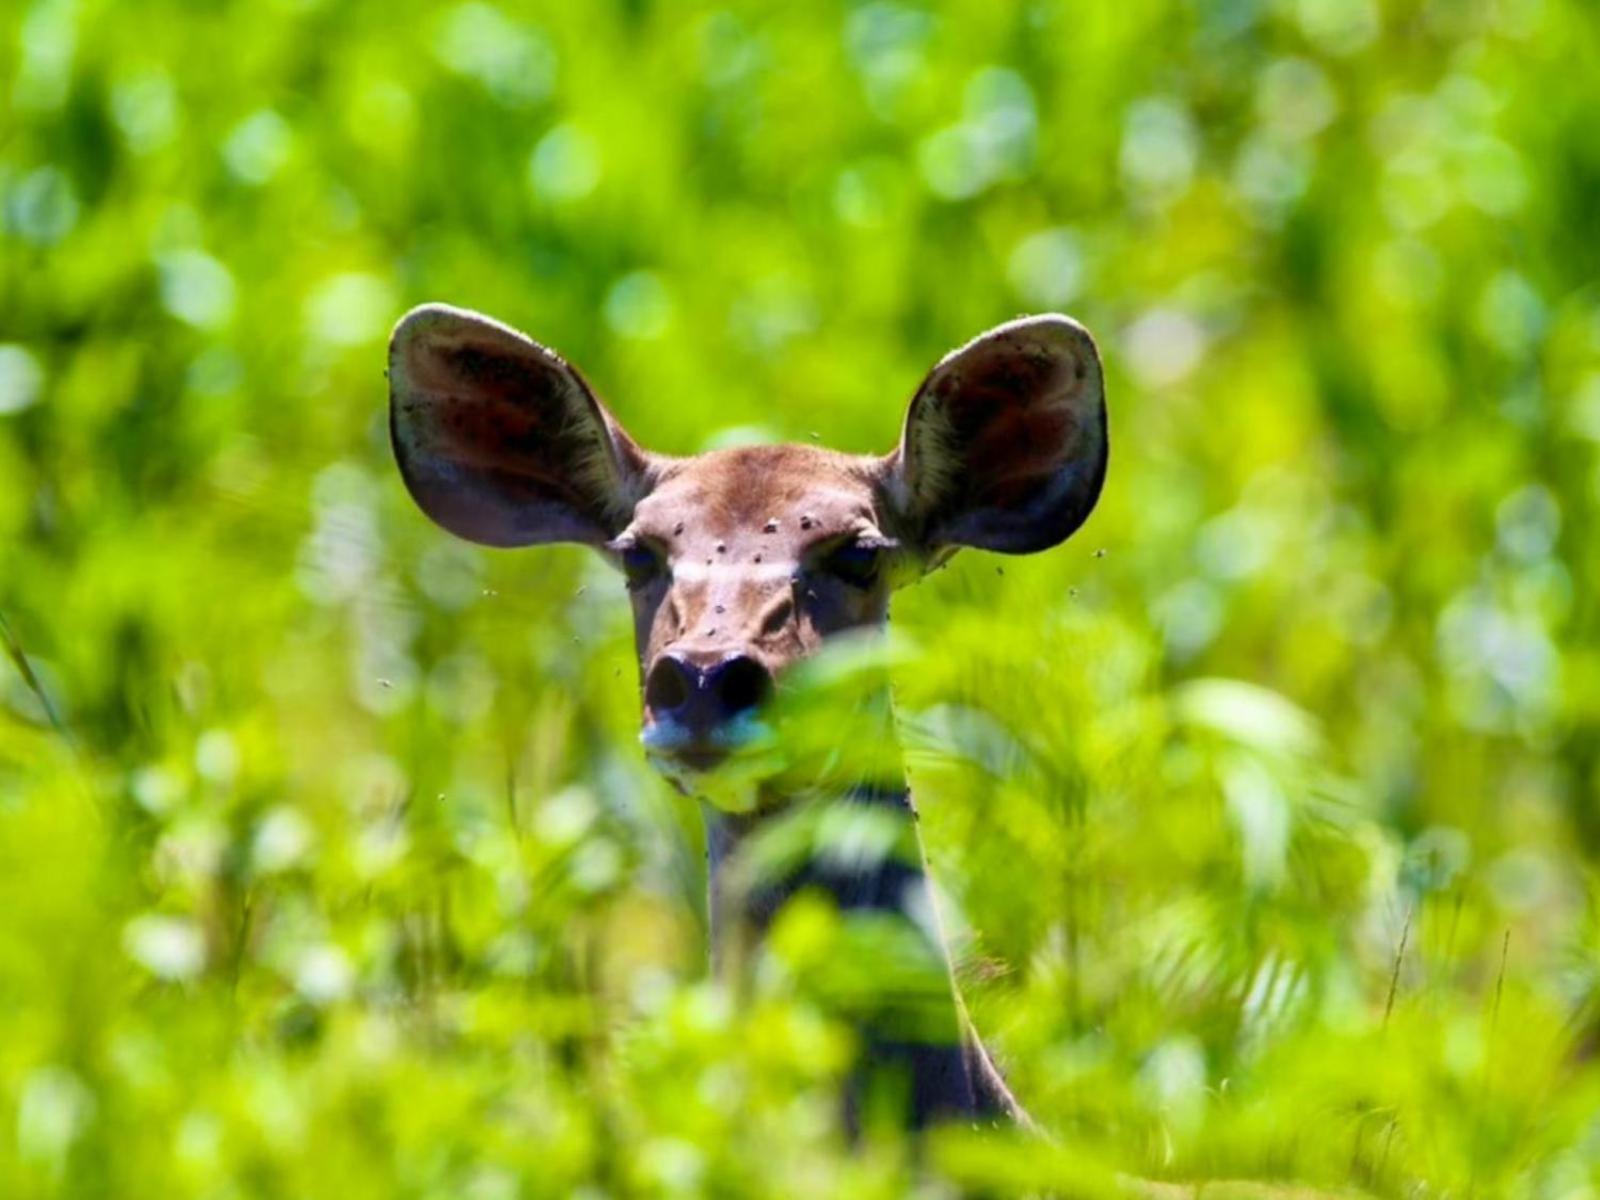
(741, 684)
(669, 686)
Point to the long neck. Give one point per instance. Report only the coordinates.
(839, 819)
(744, 897)
(932, 1068)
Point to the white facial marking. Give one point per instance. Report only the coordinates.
(737, 733)
(734, 784)
(696, 572)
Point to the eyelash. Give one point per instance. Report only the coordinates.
(857, 563)
(641, 564)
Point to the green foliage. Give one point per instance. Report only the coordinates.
(1265, 811)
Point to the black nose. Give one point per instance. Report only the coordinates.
(703, 697)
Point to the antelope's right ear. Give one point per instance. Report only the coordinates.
(499, 440)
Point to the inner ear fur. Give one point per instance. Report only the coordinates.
(1005, 443)
(499, 440)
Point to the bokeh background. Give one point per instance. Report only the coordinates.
(1264, 811)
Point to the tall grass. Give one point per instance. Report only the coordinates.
(1263, 812)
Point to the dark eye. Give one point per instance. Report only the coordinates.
(856, 563)
(641, 564)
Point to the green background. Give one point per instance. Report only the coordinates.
(1264, 810)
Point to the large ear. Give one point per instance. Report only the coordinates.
(499, 440)
(1005, 444)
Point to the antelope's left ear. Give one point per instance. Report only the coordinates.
(1005, 443)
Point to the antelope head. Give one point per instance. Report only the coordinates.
(742, 562)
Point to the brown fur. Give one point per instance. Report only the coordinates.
(1004, 448)
(757, 517)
